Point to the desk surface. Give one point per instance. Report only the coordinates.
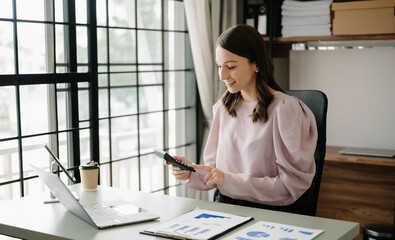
(29, 218)
(332, 154)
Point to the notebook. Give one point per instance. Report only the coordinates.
(368, 152)
(100, 215)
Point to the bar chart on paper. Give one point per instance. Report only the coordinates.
(274, 231)
(198, 224)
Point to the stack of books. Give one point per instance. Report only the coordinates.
(306, 18)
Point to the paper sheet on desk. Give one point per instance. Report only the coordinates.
(198, 224)
(274, 231)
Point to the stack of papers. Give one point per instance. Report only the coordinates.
(307, 18)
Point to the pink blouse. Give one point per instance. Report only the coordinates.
(269, 162)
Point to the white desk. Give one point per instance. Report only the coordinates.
(29, 218)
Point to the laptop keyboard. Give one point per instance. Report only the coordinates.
(103, 214)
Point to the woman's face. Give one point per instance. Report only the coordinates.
(237, 73)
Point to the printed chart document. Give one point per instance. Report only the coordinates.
(274, 231)
(198, 224)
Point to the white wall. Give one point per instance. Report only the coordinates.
(360, 86)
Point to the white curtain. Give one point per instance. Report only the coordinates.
(206, 20)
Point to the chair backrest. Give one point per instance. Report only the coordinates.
(318, 104)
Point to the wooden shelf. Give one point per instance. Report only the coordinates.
(332, 38)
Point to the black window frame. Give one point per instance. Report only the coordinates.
(72, 78)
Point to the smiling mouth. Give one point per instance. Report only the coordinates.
(230, 84)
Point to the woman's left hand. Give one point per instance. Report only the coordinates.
(214, 178)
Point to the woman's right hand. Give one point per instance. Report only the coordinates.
(180, 174)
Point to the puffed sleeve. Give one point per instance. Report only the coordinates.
(210, 152)
(294, 140)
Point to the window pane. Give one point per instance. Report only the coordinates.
(124, 137)
(6, 11)
(85, 152)
(150, 78)
(151, 132)
(82, 69)
(126, 174)
(150, 46)
(60, 47)
(33, 9)
(127, 68)
(80, 11)
(151, 98)
(9, 159)
(190, 120)
(6, 48)
(60, 69)
(104, 140)
(149, 14)
(157, 67)
(190, 87)
(179, 134)
(101, 9)
(103, 80)
(9, 191)
(59, 11)
(121, 13)
(32, 49)
(176, 51)
(103, 103)
(123, 101)
(176, 85)
(175, 19)
(34, 153)
(105, 175)
(62, 110)
(64, 155)
(122, 46)
(123, 79)
(34, 186)
(102, 45)
(34, 109)
(82, 45)
(83, 102)
(8, 121)
(152, 171)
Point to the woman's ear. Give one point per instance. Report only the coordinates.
(256, 68)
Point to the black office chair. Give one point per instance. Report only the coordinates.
(307, 203)
(318, 104)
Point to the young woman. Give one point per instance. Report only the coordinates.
(260, 150)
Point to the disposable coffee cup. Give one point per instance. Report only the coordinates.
(89, 176)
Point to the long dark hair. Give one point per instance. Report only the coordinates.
(245, 41)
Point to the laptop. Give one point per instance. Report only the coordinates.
(99, 215)
(368, 152)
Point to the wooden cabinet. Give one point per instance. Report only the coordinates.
(357, 188)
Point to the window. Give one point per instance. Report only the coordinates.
(107, 80)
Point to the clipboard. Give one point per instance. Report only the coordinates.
(164, 155)
(198, 224)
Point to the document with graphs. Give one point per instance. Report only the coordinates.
(198, 224)
(274, 231)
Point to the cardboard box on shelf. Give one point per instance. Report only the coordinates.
(363, 17)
